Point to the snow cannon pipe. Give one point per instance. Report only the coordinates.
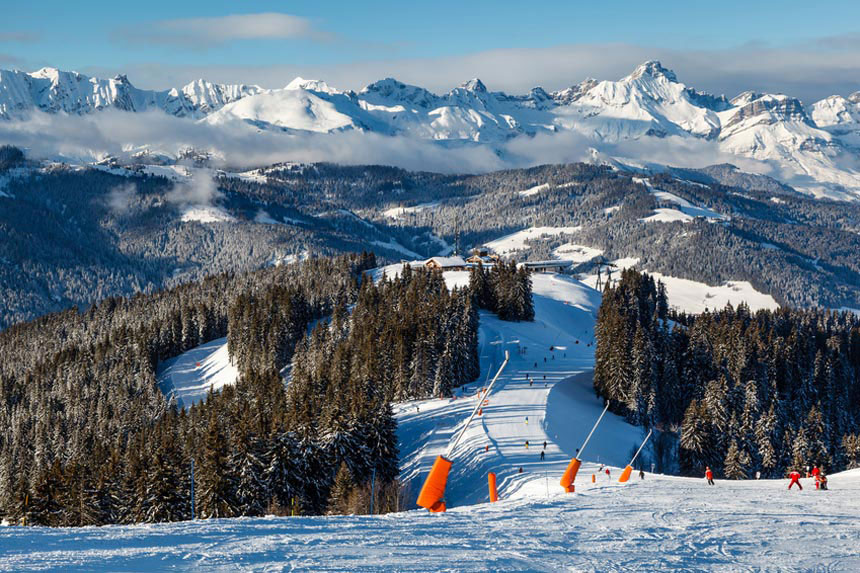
(483, 396)
(494, 494)
(585, 443)
(625, 475)
(433, 489)
(573, 467)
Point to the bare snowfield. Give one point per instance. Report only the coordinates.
(191, 375)
(659, 523)
(696, 297)
(517, 241)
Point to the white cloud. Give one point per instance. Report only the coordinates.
(203, 32)
(120, 134)
(18, 37)
(120, 198)
(117, 133)
(199, 191)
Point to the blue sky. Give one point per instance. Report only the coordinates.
(441, 43)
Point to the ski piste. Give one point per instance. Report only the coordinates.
(433, 492)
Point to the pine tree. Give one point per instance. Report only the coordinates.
(736, 463)
(695, 448)
(214, 477)
(339, 497)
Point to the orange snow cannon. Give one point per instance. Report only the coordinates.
(494, 494)
(573, 467)
(570, 475)
(625, 475)
(434, 488)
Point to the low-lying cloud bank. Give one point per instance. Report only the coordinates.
(119, 134)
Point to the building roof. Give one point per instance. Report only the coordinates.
(447, 262)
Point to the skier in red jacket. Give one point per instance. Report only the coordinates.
(795, 479)
(709, 475)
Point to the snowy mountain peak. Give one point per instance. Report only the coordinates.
(390, 90)
(299, 83)
(539, 94)
(654, 69)
(474, 85)
(819, 143)
(745, 98)
(772, 108)
(47, 73)
(573, 93)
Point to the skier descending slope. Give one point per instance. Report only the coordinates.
(709, 475)
(795, 479)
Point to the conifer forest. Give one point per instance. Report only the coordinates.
(744, 392)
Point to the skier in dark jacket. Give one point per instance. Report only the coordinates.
(641, 474)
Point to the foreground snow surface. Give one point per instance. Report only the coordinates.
(660, 523)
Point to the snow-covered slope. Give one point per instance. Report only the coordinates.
(695, 297)
(517, 241)
(815, 148)
(556, 404)
(190, 376)
(658, 523)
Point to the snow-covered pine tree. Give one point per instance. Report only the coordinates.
(213, 475)
(736, 462)
(696, 450)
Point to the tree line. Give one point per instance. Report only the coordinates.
(744, 392)
(504, 289)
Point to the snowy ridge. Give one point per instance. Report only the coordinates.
(815, 148)
(53, 91)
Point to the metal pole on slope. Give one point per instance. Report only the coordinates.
(192, 489)
(483, 397)
(585, 443)
(625, 475)
(433, 489)
(573, 467)
(372, 489)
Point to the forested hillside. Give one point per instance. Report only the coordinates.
(87, 438)
(75, 235)
(745, 392)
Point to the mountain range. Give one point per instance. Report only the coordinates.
(815, 148)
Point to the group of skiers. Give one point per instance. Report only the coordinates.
(542, 452)
(815, 472)
(794, 477)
